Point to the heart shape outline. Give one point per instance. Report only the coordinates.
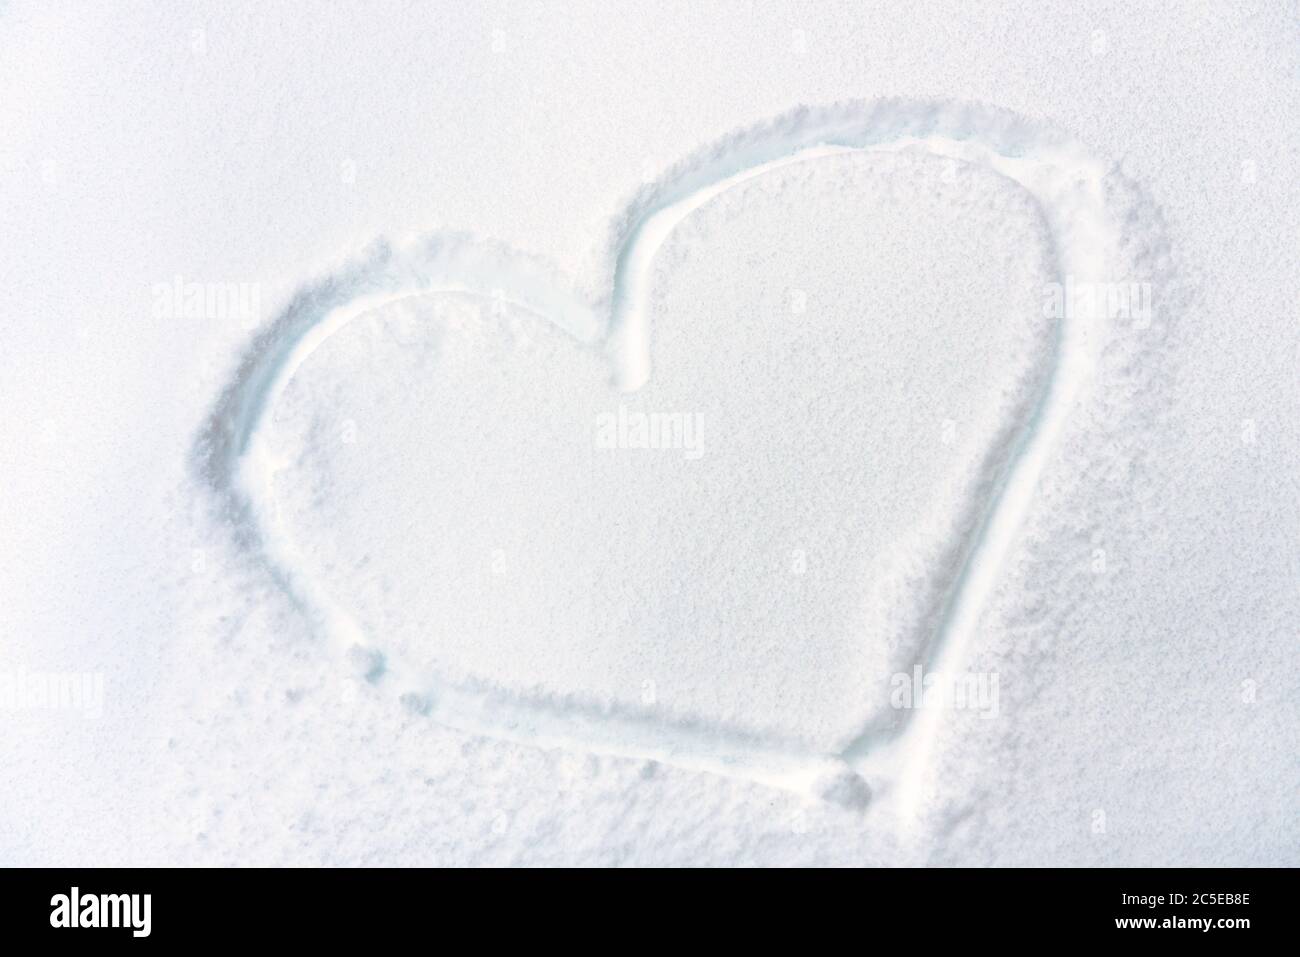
(1067, 182)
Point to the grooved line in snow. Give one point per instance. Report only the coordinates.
(1065, 181)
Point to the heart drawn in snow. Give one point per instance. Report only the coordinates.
(829, 359)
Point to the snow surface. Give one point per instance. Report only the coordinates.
(378, 570)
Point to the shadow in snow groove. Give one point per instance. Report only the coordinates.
(1065, 180)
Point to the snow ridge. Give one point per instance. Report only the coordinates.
(1067, 183)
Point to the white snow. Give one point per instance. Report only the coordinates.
(516, 435)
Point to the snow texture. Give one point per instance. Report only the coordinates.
(490, 436)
